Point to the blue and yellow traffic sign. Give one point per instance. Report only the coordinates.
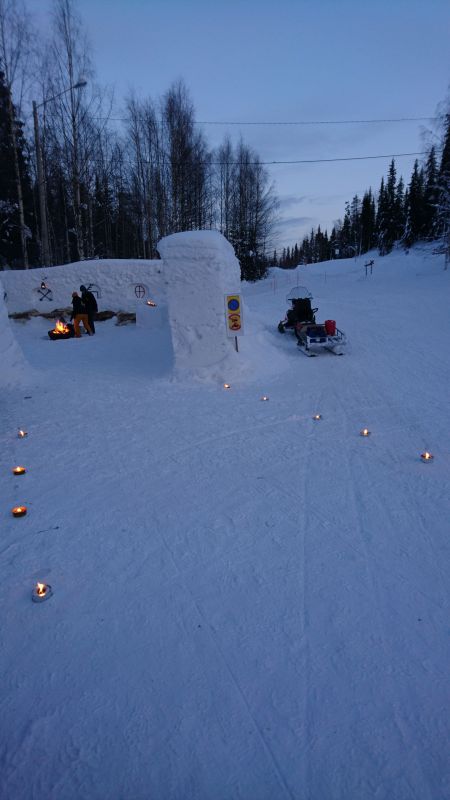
(234, 314)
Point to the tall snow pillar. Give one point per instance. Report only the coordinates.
(200, 268)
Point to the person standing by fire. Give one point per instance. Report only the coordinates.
(90, 304)
(79, 314)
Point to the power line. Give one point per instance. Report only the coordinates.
(315, 160)
(194, 165)
(324, 121)
(300, 122)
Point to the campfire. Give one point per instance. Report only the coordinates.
(61, 330)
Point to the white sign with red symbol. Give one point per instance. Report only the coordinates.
(233, 312)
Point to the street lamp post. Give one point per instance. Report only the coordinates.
(45, 247)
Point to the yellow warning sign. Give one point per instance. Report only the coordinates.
(233, 312)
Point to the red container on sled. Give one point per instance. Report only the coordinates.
(330, 327)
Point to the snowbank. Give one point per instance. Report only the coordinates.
(200, 268)
(119, 284)
(12, 361)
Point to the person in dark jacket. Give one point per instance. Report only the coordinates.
(79, 314)
(90, 304)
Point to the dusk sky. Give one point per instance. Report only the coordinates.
(286, 61)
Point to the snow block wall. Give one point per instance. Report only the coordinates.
(200, 268)
(119, 284)
(12, 361)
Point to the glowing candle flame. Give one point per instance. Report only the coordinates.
(19, 511)
(317, 416)
(19, 470)
(151, 303)
(226, 386)
(264, 397)
(364, 432)
(41, 592)
(21, 434)
(426, 456)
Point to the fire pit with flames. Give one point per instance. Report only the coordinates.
(62, 330)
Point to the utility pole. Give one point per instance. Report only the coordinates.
(45, 251)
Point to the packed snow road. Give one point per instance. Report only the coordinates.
(248, 603)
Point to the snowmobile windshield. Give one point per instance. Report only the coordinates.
(299, 293)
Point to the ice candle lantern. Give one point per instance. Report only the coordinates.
(19, 511)
(364, 432)
(19, 471)
(21, 434)
(42, 591)
(426, 456)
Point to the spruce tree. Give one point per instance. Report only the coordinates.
(11, 234)
(443, 209)
(444, 168)
(312, 246)
(430, 196)
(390, 209)
(346, 233)
(355, 220)
(306, 251)
(367, 222)
(414, 209)
(381, 221)
(400, 210)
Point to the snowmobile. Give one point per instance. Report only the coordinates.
(301, 320)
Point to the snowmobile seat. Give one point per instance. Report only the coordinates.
(291, 316)
(302, 309)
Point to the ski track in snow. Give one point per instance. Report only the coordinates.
(248, 604)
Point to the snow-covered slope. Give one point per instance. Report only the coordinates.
(247, 603)
(12, 362)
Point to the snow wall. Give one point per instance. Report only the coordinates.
(119, 285)
(12, 361)
(200, 269)
(189, 284)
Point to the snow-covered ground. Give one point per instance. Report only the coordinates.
(248, 604)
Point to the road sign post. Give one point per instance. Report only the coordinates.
(234, 317)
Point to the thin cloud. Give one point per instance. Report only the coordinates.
(291, 200)
(289, 222)
(323, 200)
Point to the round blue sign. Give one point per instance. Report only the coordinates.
(233, 305)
